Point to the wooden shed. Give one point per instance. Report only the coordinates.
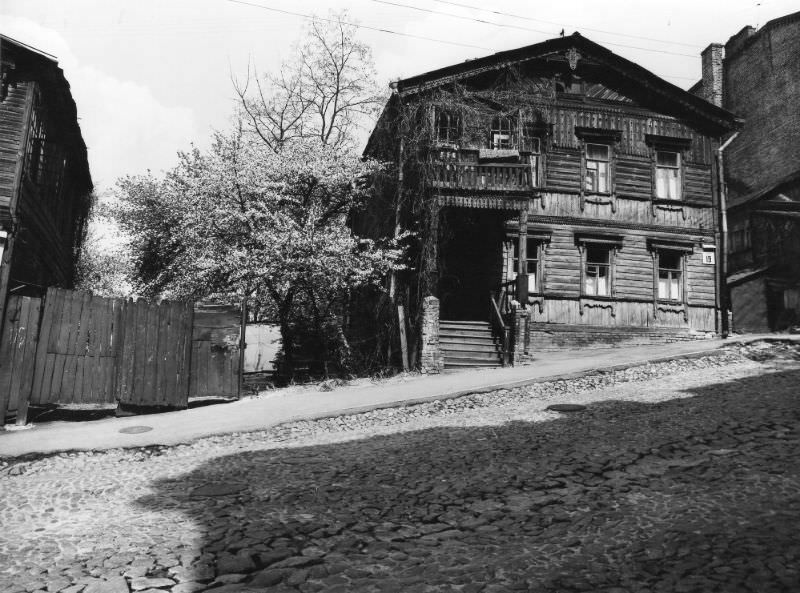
(45, 184)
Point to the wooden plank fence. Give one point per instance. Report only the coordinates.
(94, 350)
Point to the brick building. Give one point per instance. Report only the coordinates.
(756, 75)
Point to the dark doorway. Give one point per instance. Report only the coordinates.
(471, 243)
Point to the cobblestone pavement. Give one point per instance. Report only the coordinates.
(680, 476)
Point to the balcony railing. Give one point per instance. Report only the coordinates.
(505, 177)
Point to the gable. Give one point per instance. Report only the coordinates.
(612, 78)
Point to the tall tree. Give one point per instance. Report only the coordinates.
(327, 91)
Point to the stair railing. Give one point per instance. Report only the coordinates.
(499, 327)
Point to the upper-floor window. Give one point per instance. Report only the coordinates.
(597, 167)
(668, 175)
(532, 144)
(501, 133)
(448, 126)
(34, 151)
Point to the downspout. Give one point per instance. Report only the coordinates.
(722, 266)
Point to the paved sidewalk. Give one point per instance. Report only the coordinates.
(251, 414)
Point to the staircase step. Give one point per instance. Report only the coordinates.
(471, 355)
(463, 322)
(468, 347)
(464, 333)
(483, 326)
(468, 362)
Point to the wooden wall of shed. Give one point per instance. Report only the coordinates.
(12, 128)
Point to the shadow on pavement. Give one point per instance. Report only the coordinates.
(693, 494)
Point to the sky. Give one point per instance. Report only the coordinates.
(153, 77)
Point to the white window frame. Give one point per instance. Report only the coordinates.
(675, 290)
(594, 183)
(664, 173)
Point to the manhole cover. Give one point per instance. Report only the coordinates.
(566, 407)
(218, 489)
(135, 429)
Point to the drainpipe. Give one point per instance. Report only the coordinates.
(722, 266)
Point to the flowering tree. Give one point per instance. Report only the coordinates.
(244, 222)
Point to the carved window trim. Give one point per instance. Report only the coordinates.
(681, 249)
(611, 243)
(599, 136)
(668, 144)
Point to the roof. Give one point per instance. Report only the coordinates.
(591, 52)
(789, 181)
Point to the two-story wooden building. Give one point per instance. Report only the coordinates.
(45, 184)
(562, 196)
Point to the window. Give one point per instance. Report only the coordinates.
(34, 155)
(531, 143)
(531, 263)
(668, 175)
(670, 269)
(597, 275)
(448, 126)
(597, 157)
(500, 134)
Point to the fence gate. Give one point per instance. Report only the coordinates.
(216, 344)
(17, 353)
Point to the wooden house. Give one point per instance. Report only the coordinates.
(45, 184)
(756, 74)
(561, 196)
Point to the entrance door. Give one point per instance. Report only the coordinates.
(471, 262)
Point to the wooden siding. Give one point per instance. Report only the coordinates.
(633, 125)
(564, 170)
(634, 178)
(672, 217)
(633, 284)
(626, 314)
(12, 128)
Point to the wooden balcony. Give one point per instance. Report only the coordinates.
(491, 177)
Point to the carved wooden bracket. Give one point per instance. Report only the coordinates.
(676, 308)
(602, 200)
(584, 303)
(669, 208)
(538, 301)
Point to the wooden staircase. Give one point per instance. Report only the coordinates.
(469, 344)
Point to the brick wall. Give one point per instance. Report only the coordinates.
(762, 85)
(551, 336)
(431, 359)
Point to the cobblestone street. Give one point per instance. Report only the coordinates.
(680, 476)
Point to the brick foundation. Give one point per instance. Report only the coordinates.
(431, 359)
(553, 336)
